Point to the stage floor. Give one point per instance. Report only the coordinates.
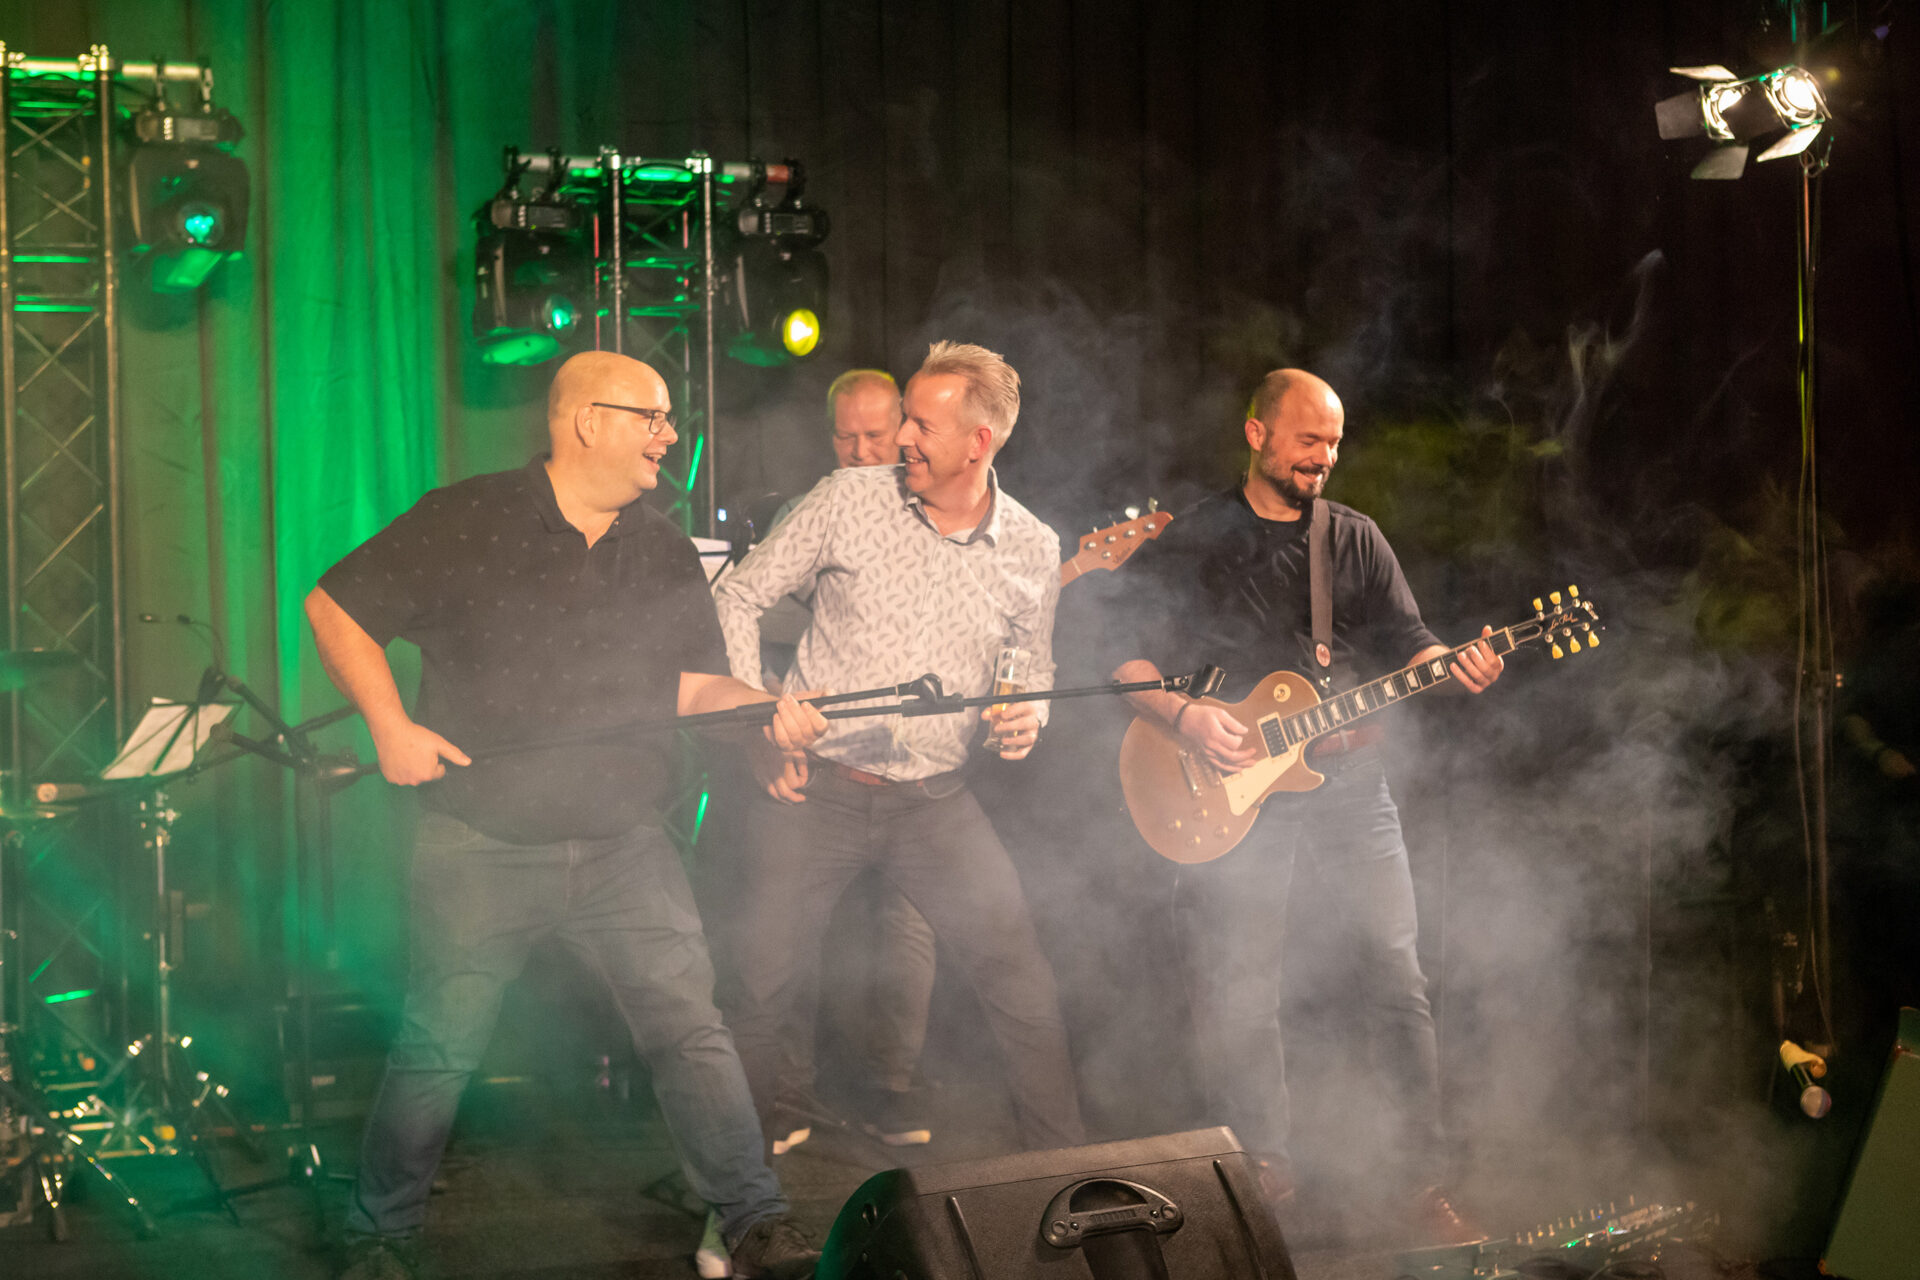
(529, 1189)
(537, 1186)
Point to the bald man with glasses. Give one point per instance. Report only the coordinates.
(549, 602)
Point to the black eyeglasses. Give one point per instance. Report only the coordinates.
(661, 417)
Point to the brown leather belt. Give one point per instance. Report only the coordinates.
(866, 779)
(1346, 741)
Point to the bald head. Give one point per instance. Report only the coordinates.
(603, 376)
(1294, 427)
(1295, 391)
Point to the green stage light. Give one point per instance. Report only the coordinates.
(202, 225)
(800, 332)
(189, 211)
(533, 281)
(558, 315)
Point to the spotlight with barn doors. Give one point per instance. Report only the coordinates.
(1735, 112)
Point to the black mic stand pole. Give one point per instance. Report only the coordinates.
(316, 777)
(921, 697)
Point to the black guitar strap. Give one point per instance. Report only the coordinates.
(1320, 590)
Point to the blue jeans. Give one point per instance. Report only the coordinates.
(623, 907)
(1230, 920)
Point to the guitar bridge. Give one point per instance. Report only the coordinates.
(1198, 773)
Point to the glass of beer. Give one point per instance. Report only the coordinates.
(1009, 676)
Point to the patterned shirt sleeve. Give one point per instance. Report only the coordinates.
(787, 563)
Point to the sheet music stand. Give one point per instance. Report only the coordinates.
(168, 1100)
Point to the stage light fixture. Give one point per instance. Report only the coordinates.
(1734, 111)
(779, 296)
(779, 276)
(533, 280)
(188, 195)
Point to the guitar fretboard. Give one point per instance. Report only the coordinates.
(1282, 733)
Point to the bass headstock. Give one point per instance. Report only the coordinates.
(1110, 547)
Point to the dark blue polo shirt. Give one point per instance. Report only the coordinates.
(526, 634)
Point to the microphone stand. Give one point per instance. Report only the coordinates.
(921, 697)
(316, 777)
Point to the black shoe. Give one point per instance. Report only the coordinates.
(775, 1248)
(379, 1258)
(895, 1117)
(795, 1118)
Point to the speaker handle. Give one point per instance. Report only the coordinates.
(1063, 1227)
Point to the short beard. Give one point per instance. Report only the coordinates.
(1290, 488)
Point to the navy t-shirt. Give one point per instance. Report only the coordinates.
(1225, 586)
(528, 634)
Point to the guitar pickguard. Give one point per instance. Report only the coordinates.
(1245, 788)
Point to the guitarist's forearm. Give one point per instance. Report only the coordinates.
(1157, 703)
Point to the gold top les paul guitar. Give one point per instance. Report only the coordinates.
(1191, 811)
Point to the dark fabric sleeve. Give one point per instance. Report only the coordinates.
(383, 584)
(1395, 630)
(1151, 606)
(695, 625)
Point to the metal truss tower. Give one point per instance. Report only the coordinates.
(60, 409)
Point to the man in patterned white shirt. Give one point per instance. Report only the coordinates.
(924, 567)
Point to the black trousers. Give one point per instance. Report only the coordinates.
(933, 843)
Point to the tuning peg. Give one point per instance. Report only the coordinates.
(1573, 592)
(1555, 597)
(1557, 651)
(1153, 504)
(1537, 606)
(1593, 638)
(1573, 645)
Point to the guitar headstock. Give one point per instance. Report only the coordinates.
(1567, 618)
(1109, 548)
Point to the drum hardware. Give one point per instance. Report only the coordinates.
(40, 1147)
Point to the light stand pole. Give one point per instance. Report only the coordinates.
(1816, 673)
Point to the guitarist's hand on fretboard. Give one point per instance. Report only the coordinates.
(1479, 666)
(1218, 736)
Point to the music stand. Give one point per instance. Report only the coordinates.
(169, 1097)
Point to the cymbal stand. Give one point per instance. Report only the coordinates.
(51, 1149)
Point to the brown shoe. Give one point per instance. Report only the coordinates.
(1431, 1214)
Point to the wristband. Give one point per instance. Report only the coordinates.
(1184, 708)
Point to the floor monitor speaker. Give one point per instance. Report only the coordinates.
(1180, 1206)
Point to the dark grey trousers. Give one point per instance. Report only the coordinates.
(935, 845)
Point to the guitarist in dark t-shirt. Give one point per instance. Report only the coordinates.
(1228, 583)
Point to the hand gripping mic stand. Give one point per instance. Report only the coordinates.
(316, 777)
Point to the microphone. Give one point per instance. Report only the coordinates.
(1805, 1068)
